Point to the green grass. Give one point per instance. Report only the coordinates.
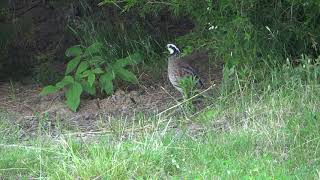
(272, 131)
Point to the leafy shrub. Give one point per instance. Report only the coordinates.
(241, 32)
(87, 71)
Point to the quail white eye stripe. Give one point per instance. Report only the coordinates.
(172, 48)
(171, 51)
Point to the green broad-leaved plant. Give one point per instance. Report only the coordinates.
(188, 85)
(89, 72)
(189, 89)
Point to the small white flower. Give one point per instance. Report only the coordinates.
(231, 53)
(212, 27)
(208, 8)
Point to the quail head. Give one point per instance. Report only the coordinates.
(178, 68)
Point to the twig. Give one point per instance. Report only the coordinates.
(169, 94)
(185, 101)
(311, 140)
(13, 169)
(27, 10)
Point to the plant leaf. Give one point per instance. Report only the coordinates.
(87, 88)
(96, 60)
(98, 71)
(106, 82)
(74, 51)
(73, 64)
(82, 67)
(126, 75)
(86, 73)
(93, 49)
(73, 96)
(65, 81)
(91, 78)
(48, 90)
(130, 60)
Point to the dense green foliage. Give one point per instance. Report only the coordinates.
(243, 31)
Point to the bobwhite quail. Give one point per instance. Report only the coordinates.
(178, 68)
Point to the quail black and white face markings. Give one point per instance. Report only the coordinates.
(178, 68)
(173, 49)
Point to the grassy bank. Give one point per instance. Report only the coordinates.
(271, 123)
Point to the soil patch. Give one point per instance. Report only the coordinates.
(28, 108)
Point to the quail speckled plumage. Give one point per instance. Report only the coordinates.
(178, 68)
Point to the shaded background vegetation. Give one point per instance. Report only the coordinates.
(35, 34)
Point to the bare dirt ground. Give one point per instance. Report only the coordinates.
(27, 108)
